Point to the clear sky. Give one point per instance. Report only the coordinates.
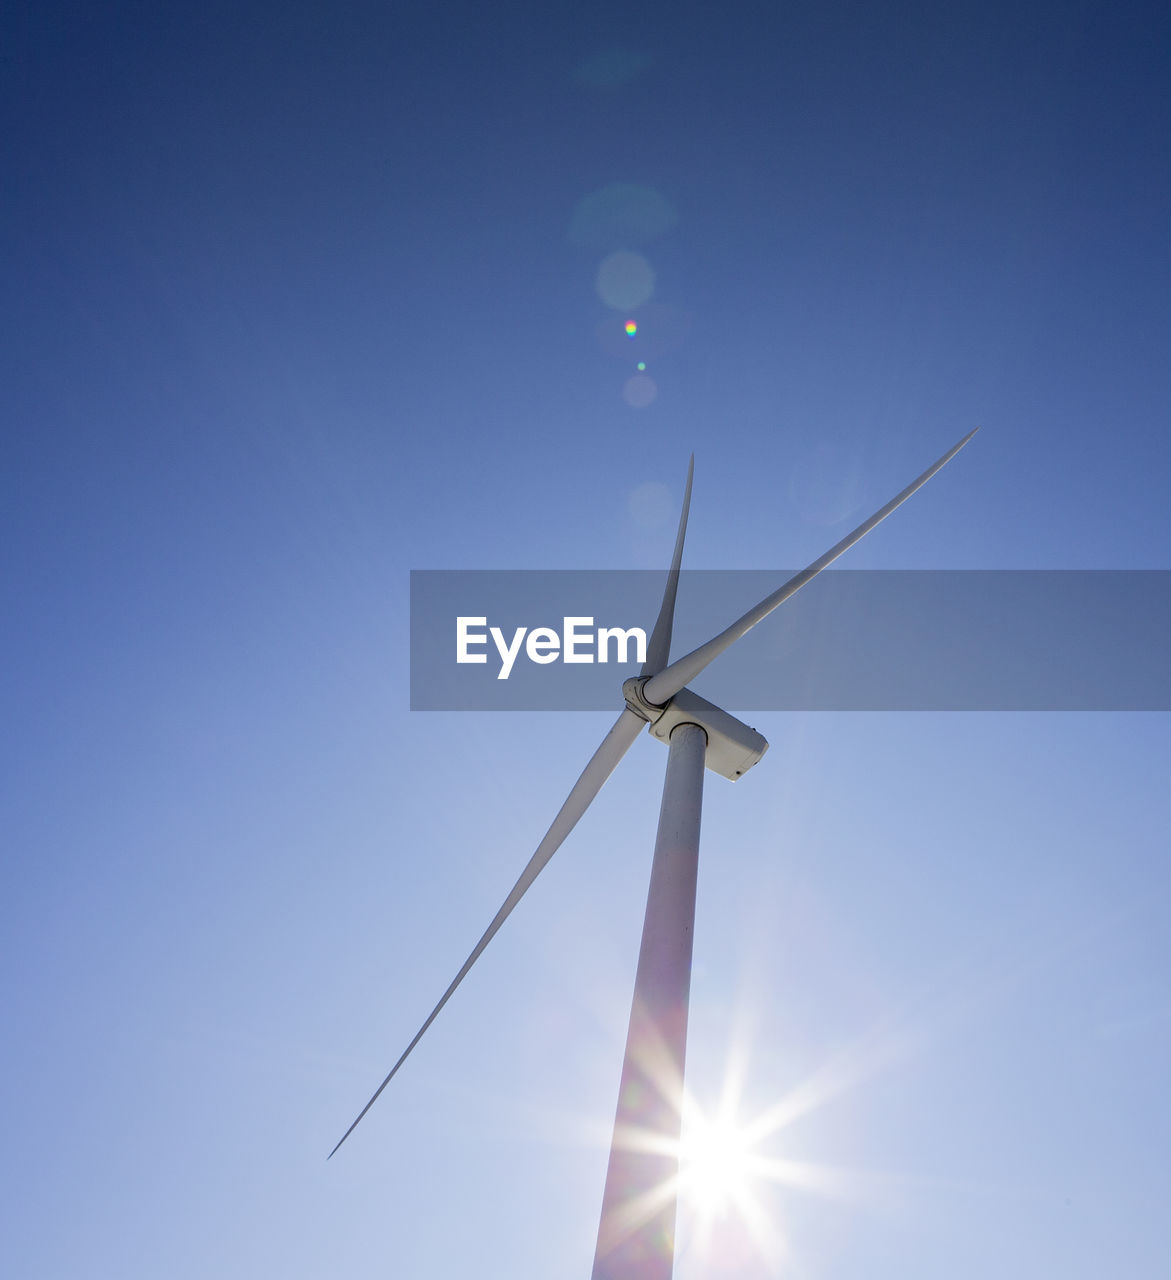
(303, 297)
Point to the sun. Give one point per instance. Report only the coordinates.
(716, 1165)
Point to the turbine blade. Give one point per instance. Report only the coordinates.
(658, 650)
(666, 684)
(614, 746)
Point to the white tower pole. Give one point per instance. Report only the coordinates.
(636, 1238)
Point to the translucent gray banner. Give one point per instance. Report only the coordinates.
(850, 640)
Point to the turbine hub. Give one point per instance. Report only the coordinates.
(632, 692)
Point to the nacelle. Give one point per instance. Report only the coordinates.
(732, 746)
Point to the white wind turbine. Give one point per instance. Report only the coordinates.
(636, 1232)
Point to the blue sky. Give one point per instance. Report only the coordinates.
(300, 299)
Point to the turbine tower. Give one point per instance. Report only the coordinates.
(637, 1227)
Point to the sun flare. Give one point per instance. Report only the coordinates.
(716, 1165)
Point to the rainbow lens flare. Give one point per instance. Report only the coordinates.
(631, 328)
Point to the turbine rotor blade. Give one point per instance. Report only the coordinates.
(603, 762)
(661, 688)
(658, 650)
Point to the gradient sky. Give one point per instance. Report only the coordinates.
(303, 297)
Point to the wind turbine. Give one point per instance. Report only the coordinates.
(637, 1227)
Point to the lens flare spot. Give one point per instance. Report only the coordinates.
(652, 506)
(612, 69)
(640, 390)
(625, 280)
(642, 366)
(631, 328)
(622, 215)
